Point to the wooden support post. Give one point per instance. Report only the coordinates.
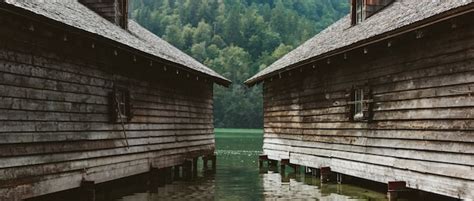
(284, 177)
(187, 169)
(262, 158)
(168, 175)
(161, 176)
(282, 169)
(154, 180)
(315, 172)
(394, 188)
(283, 164)
(214, 162)
(205, 161)
(272, 165)
(339, 178)
(325, 173)
(195, 166)
(177, 172)
(296, 168)
(88, 190)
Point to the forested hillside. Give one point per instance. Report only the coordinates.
(237, 38)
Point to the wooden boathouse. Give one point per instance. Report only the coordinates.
(385, 94)
(88, 96)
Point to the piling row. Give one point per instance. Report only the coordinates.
(395, 189)
(159, 177)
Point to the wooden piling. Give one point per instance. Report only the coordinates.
(283, 164)
(394, 188)
(272, 165)
(157, 177)
(195, 166)
(187, 169)
(261, 159)
(88, 190)
(339, 178)
(214, 162)
(153, 181)
(177, 171)
(325, 174)
(168, 175)
(205, 164)
(315, 172)
(296, 168)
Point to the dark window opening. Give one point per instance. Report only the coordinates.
(120, 101)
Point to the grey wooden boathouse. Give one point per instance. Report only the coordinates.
(384, 94)
(88, 95)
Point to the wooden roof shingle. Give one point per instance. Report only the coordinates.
(342, 34)
(74, 14)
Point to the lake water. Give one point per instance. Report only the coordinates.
(238, 178)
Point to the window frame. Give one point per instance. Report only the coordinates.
(121, 107)
(359, 11)
(360, 103)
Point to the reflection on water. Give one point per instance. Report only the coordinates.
(200, 189)
(238, 178)
(305, 187)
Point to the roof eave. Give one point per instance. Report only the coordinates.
(224, 82)
(43, 19)
(387, 35)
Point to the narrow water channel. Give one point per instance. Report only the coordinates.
(237, 178)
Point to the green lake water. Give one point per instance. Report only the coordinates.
(238, 178)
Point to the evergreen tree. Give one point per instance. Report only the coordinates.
(237, 38)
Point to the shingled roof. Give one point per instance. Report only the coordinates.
(73, 13)
(342, 34)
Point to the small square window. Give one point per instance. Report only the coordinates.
(121, 111)
(360, 104)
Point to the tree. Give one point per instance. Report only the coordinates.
(198, 50)
(237, 38)
(202, 33)
(173, 35)
(281, 50)
(232, 32)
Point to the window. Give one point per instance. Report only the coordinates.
(123, 14)
(360, 104)
(359, 12)
(363, 9)
(121, 111)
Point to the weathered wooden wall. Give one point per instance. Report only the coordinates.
(55, 125)
(112, 10)
(423, 125)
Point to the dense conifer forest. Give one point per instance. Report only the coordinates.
(237, 38)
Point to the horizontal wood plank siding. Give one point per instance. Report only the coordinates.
(55, 122)
(422, 130)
